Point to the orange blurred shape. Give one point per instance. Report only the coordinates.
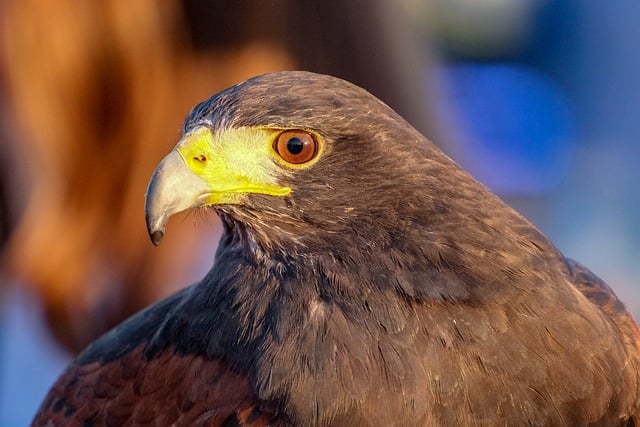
(100, 90)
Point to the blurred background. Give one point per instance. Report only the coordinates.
(537, 98)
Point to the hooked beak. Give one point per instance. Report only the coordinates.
(173, 188)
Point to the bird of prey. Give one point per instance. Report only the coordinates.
(363, 279)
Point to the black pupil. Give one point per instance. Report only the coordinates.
(295, 145)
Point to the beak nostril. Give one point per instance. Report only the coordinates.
(200, 158)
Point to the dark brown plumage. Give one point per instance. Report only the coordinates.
(369, 282)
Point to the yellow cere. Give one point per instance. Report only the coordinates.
(233, 162)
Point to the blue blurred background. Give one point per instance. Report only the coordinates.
(537, 98)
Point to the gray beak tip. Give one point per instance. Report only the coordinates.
(155, 229)
(156, 237)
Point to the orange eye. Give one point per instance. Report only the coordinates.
(295, 146)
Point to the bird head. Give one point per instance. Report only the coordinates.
(292, 155)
